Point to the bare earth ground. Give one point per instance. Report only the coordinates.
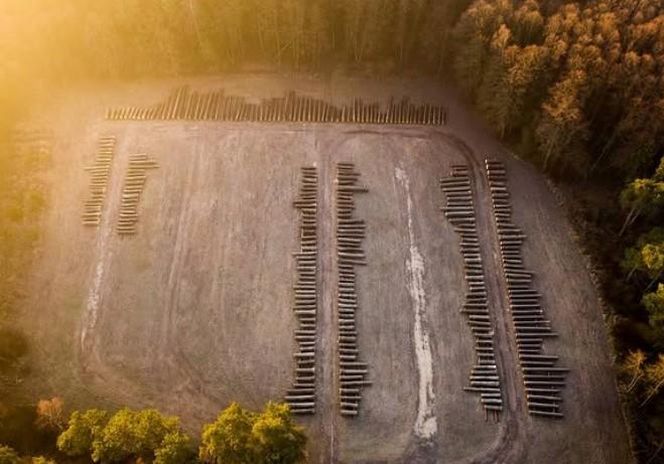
(194, 311)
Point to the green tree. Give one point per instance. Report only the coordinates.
(632, 365)
(83, 429)
(563, 130)
(654, 304)
(643, 196)
(42, 460)
(652, 255)
(633, 260)
(132, 433)
(654, 378)
(8, 456)
(239, 436)
(175, 448)
(276, 438)
(228, 439)
(127, 434)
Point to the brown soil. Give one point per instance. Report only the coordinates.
(195, 310)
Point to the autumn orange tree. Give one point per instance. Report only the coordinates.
(581, 81)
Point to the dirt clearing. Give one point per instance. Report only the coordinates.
(194, 311)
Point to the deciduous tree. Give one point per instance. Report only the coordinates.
(175, 448)
(654, 378)
(228, 439)
(654, 304)
(83, 430)
(239, 436)
(8, 456)
(51, 414)
(641, 197)
(132, 433)
(632, 365)
(276, 438)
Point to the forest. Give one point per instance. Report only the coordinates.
(575, 87)
(237, 436)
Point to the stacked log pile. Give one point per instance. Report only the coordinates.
(100, 173)
(350, 232)
(543, 380)
(459, 209)
(132, 189)
(302, 395)
(184, 104)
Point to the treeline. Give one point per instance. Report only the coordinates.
(237, 436)
(581, 86)
(162, 37)
(636, 288)
(46, 43)
(578, 85)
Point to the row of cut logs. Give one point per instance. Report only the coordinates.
(132, 189)
(543, 380)
(350, 232)
(301, 397)
(459, 209)
(184, 104)
(100, 172)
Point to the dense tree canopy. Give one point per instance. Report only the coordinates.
(239, 436)
(642, 202)
(144, 434)
(583, 79)
(83, 428)
(227, 440)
